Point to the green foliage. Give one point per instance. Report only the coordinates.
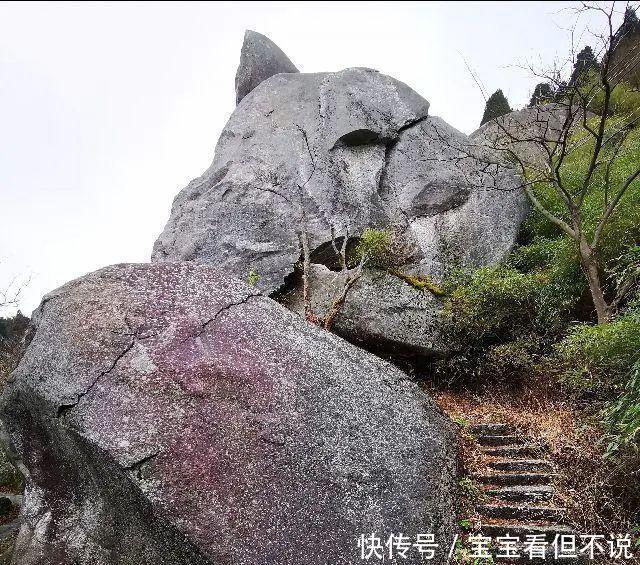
(505, 319)
(465, 524)
(621, 417)
(497, 105)
(11, 329)
(624, 101)
(542, 94)
(421, 282)
(470, 488)
(622, 231)
(489, 317)
(599, 357)
(376, 248)
(461, 421)
(585, 62)
(630, 24)
(491, 302)
(253, 278)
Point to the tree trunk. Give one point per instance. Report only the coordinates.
(590, 268)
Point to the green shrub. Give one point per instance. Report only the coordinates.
(253, 278)
(491, 303)
(562, 283)
(384, 249)
(374, 246)
(597, 358)
(506, 320)
(624, 101)
(621, 417)
(489, 317)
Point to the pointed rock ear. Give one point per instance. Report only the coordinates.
(260, 59)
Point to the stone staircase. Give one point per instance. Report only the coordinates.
(517, 486)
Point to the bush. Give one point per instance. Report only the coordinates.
(621, 417)
(384, 249)
(598, 358)
(489, 317)
(492, 302)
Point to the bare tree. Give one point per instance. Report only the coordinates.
(582, 118)
(347, 276)
(11, 293)
(12, 329)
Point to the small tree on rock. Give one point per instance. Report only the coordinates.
(542, 94)
(585, 61)
(497, 105)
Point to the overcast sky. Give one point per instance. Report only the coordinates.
(107, 110)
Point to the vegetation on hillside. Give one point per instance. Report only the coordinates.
(564, 310)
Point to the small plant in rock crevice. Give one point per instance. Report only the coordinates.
(253, 278)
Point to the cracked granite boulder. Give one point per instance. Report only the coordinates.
(168, 413)
(381, 309)
(308, 152)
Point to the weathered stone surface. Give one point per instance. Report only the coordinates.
(462, 216)
(515, 130)
(168, 414)
(381, 310)
(343, 151)
(281, 165)
(260, 58)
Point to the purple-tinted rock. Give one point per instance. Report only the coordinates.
(169, 414)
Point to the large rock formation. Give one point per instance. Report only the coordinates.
(342, 151)
(170, 414)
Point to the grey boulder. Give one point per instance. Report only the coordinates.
(170, 414)
(381, 310)
(260, 58)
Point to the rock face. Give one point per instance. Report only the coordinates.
(514, 130)
(381, 310)
(169, 414)
(260, 59)
(342, 151)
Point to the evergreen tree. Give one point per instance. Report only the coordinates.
(585, 61)
(542, 93)
(630, 25)
(497, 106)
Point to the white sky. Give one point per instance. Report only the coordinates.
(107, 110)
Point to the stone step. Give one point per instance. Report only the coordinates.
(514, 465)
(544, 513)
(500, 440)
(515, 451)
(515, 478)
(492, 430)
(16, 499)
(530, 493)
(9, 530)
(523, 530)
